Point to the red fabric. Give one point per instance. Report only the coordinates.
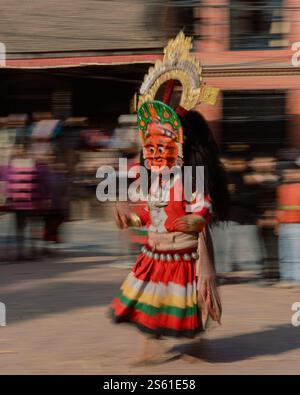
(180, 272)
(175, 209)
(168, 92)
(142, 211)
(180, 111)
(288, 195)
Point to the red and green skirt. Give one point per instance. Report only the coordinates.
(159, 296)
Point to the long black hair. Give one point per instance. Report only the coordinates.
(200, 149)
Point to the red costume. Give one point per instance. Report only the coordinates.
(161, 294)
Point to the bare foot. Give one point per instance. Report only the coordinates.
(189, 358)
(141, 360)
(164, 357)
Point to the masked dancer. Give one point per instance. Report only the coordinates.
(172, 288)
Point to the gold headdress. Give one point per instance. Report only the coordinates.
(177, 64)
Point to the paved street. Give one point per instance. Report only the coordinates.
(57, 324)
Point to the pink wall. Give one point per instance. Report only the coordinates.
(253, 70)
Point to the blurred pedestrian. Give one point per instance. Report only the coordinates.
(238, 245)
(58, 211)
(27, 195)
(265, 179)
(288, 216)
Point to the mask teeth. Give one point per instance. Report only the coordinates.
(180, 152)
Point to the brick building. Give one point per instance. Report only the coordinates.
(88, 58)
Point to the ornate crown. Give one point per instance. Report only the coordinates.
(178, 64)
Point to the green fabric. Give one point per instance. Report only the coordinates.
(139, 232)
(152, 311)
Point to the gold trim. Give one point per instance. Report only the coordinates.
(135, 221)
(177, 64)
(209, 94)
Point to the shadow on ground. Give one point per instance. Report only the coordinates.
(58, 298)
(269, 342)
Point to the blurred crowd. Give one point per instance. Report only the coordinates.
(262, 232)
(48, 174)
(48, 169)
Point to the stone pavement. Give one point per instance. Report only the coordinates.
(92, 237)
(57, 324)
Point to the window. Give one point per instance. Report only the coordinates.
(254, 118)
(256, 24)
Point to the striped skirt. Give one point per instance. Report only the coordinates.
(159, 296)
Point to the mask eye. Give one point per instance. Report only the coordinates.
(161, 150)
(150, 150)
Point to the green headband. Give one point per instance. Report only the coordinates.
(157, 110)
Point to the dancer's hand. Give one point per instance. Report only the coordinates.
(122, 215)
(190, 223)
(125, 217)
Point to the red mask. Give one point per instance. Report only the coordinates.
(160, 149)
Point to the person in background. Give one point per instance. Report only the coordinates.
(265, 179)
(58, 211)
(28, 194)
(288, 217)
(238, 245)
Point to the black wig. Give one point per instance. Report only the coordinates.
(200, 149)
